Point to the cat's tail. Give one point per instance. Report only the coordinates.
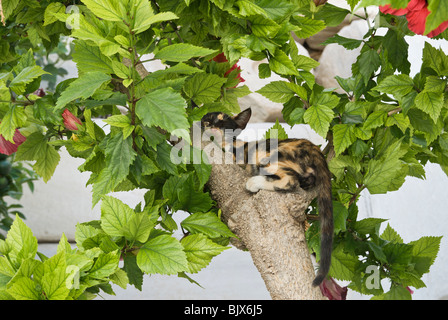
(325, 206)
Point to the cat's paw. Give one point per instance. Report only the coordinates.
(254, 184)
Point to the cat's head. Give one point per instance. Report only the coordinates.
(222, 121)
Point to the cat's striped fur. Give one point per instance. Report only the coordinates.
(283, 166)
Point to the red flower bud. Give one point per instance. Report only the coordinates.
(7, 147)
(70, 121)
(332, 290)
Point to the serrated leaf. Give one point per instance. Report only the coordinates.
(391, 235)
(164, 108)
(119, 156)
(281, 64)
(163, 255)
(343, 137)
(347, 43)
(138, 227)
(397, 85)
(282, 91)
(24, 289)
(308, 27)
(276, 132)
(21, 241)
(438, 15)
(200, 250)
(264, 27)
(430, 102)
(27, 75)
(115, 216)
(36, 147)
(381, 172)
(319, 118)
(204, 87)
(343, 266)
(54, 276)
(82, 87)
(149, 20)
(105, 265)
(106, 9)
(50, 11)
(374, 120)
(14, 118)
(206, 223)
(179, 52)
(368, 225)
(368, 62)
(424, 251)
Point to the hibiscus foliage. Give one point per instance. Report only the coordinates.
(385, 127)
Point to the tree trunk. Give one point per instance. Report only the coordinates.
(271, 226)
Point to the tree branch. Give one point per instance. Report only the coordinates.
(271, 225)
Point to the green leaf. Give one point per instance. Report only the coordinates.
(391, 235)
(182, 52)
(276, 132)
(435, 59)
(27, 75)
(264, 27)
(430, 102)
(106, 9)
(54, 276)
(89, 58)
(206, 223)
(368, 225)
(138, 227)
(105, 265)
(149, 20)
(281, 64)
(200, 250)
(347, 43)
(120, 121)
(21, 241)
(343, 266)
(50, 11)
(24, 289)
(381, 172)
(308, 27)
(343, 137)
(438, 14)
(204, 87)
(163, 255)
(368, 62)
(119, 156)
(14, 118)
(397, 85)
(374, 120)
(396, 292)
(82, 87)
(247, 8)
(319, 118)
(36, 147)
(424, 252)
(115, 216)
(164, 108)
(282, 91)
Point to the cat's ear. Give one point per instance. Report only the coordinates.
(242, 118)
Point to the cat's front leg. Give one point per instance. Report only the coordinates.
(256, 183)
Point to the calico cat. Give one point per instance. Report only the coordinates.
(283, 166)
